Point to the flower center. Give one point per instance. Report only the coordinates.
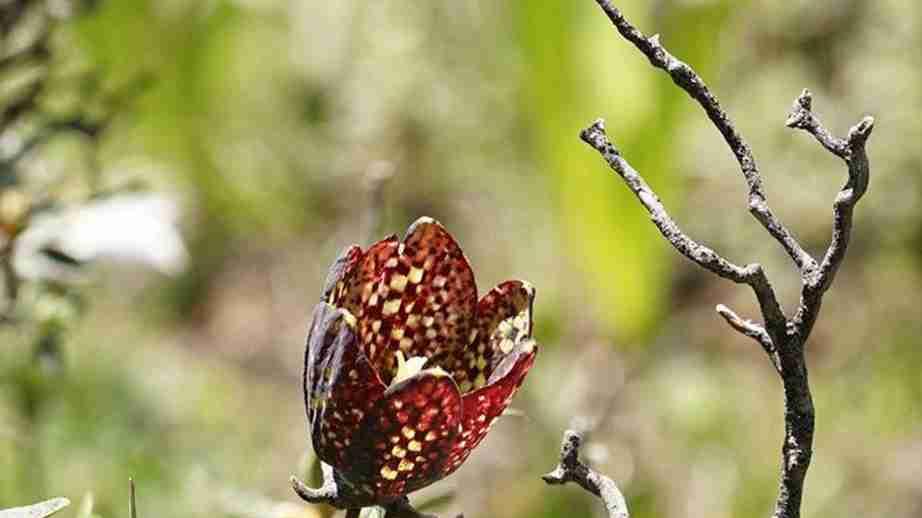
(406, 369)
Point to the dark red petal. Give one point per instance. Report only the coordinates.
(422, 302)
(340, 273)
(481, 407)
(404, 441)
(503, 319)
(365, 274)
(507, 300)
(340, 385)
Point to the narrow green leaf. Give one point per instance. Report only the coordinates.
(132, 507)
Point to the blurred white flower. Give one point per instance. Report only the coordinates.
(128, 228)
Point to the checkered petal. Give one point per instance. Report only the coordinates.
(482, 406)
(420, 300)
(503, 319)
(340, 273)
(359, 279)
(340, 384)
(405, 439)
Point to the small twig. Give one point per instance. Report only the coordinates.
(571, 469)
(752, 330)
(802, 117)
(852, 151)
(328, 493)
(751, 274)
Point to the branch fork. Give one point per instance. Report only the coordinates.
(782, 338)
(571, 469)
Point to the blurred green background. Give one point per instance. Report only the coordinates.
(267, 121)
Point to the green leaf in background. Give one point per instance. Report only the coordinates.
(577, 65)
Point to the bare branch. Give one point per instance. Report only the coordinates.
(781, 338)
(802, 117)
(852, 151)
(328, 493)
(571, 469)
(687, 79)
(799, 423)
(751, 274)
(752, 330)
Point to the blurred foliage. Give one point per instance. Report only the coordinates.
(569, 83)
(265, 119)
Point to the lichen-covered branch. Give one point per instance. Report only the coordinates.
(327, 493)
(782, 339)
(852, 151)
(571, 469)
(751, 274)
(686, 78)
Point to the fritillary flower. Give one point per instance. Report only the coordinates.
(405, 369)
